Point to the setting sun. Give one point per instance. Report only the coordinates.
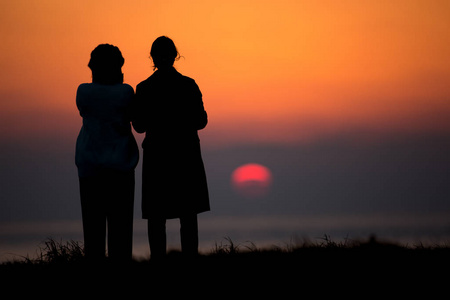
(251, 180)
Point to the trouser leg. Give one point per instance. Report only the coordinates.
(94, 219)
(120, 210)
(157, 237)
(189, 234)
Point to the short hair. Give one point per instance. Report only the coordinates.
(106, 64)
(163, 52)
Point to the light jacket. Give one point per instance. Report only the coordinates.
(105, 141)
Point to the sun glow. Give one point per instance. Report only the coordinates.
(251, 180)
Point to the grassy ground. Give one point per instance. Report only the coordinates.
(324, 252)
(311, 268)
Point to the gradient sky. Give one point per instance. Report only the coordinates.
(279, 79)
(270, 71)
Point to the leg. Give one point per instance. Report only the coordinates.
(189, 235)
(157, 237)
(94, 219)
(120, 216)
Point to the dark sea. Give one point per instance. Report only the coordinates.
(25, 239)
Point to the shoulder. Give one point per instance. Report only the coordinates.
(190, 84)
(83, 91)
(94, 89)
(144, 83)
(126, 89)
(188, 81)
(84, 87)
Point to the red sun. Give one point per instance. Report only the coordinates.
(251, 180)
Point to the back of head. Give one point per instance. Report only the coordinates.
(163, 52)
(106, 64)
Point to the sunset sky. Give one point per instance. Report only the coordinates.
(270, 71)
(294, 85)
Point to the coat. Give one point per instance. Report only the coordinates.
(169, 109)
(105, 141)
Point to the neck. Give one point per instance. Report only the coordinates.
(165, 68)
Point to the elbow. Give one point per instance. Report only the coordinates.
(203, 121)
(203, 125)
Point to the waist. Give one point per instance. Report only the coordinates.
(168, 138)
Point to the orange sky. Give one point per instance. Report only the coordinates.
(270, 71)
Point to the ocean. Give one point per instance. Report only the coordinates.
(25, 239)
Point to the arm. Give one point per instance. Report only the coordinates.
(201, 117)
(80, 97)
(202, 120)
(137, 112)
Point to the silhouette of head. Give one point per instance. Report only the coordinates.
(164, 53)
(106, 64)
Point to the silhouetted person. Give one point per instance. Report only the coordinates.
(170, 110)
(106, 156)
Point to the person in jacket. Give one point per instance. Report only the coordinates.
(106, 157)
(170, 111)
